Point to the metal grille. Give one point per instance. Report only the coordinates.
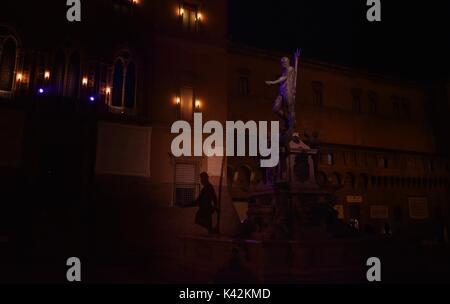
(184, 197)
(185, 184)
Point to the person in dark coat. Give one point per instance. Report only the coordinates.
(207, 204)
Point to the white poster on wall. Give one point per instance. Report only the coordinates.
(123, 150)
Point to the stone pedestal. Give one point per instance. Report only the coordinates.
(289, 203)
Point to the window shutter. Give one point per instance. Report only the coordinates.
(185, 184)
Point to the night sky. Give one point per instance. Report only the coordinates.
(412, 40)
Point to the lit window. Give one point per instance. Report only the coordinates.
(186, 103)
(60, 69)
(124, 85)
(73, 76)
(190, 17)
(130, 86)
(117, 84)
(125, 6)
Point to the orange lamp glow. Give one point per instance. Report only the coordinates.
(19, 77)
(178, 100)
(47, 75)
(84, 81)
(108, 90)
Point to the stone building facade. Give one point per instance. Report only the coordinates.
(87, 108)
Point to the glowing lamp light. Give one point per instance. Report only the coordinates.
(108, 90)
(199, 16)
(41, 91)
(181, 11)
(197, 105)
(47, 75)
(135, 2)
(92, 99)
(19, 77)
(84, 81)
(178, 100)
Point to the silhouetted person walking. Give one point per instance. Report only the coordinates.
(207, 203)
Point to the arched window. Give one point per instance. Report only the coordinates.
(363, 182)
(330, 159)
(7, 65)
(373, 181)
(397, 181)
(383, 163)
(60, 69)
(335, 179)
(317, 87)
(73, 78)
(322, 178)
(130, 86)
(117, 86)
(379, 181)
(349, 181)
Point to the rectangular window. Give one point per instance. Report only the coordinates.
(396, 107)
(244, 89)
(185, 184)
(373, 103)
(383, 163)
(317, 93)
(330, 159)
(356, 100)
(406, 109)
(429, 166)
(186, 103)
(357, 104)
(189, 17)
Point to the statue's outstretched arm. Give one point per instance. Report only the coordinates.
(279, 80)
